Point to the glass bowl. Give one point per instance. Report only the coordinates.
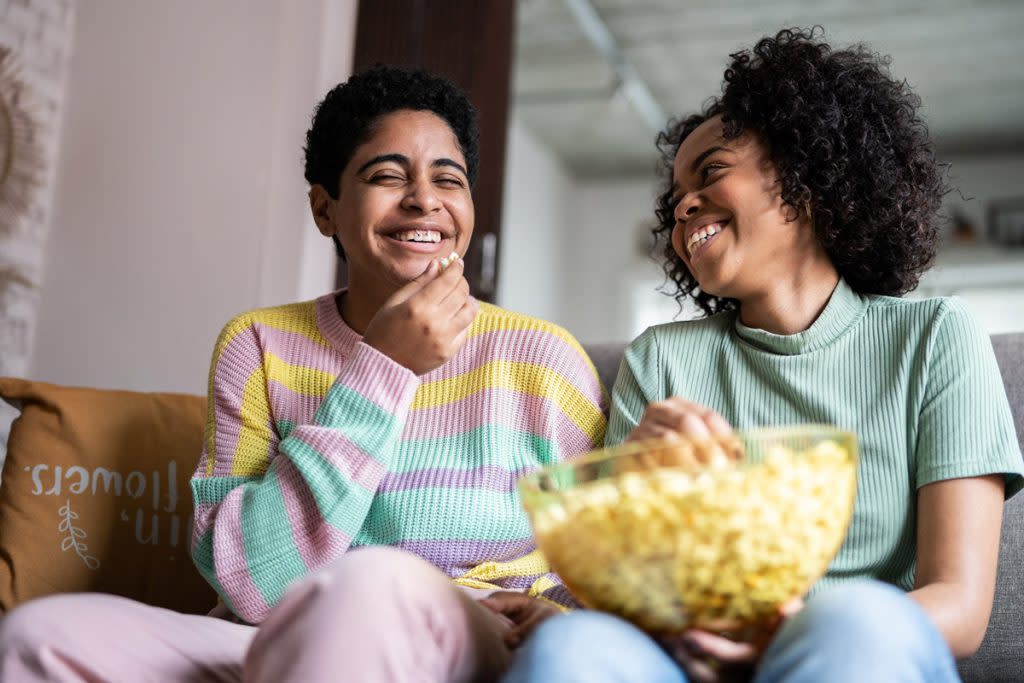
(681, 534)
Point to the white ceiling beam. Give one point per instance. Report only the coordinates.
(632, 86)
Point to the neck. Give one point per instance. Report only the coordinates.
(792, 304)
(359, 303)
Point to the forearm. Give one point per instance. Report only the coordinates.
(301, 505)
(960, 619)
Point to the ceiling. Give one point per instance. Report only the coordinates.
(965, 58)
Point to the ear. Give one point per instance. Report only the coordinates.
(320, 206)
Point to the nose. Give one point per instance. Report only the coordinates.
(421, 196)
(687, 206)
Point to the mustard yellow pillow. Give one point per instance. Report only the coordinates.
(94, 495)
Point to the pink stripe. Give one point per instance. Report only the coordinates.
(298, 349)
(201, 521)
(230, 562)
(379, 379)
(343, 455)
(523, 346)
(487, 477)
(297, 408)
(498, 406)
(317, 541)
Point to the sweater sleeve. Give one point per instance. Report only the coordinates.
(637, 384)
(965, 427)
(275, 501)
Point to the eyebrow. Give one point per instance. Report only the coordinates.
(704, 155)
(404, 161)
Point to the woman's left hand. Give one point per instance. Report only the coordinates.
(714, 658)
(526, 613)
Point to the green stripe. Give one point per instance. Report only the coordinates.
(490, 444)
(270, 551)
(444, 513)
(341, 501)
(365, 423)
(212, 490)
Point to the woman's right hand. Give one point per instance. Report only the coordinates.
(675, 416)
(423, 324)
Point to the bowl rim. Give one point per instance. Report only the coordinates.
(530, 481)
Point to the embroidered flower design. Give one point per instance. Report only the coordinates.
(75, 538)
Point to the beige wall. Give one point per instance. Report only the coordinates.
(180, 199)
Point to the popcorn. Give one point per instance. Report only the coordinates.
(705, 541)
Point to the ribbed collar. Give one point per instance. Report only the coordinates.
(844, 309)
(333, 326)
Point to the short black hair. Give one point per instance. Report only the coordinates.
(346, 117)
(847, 141)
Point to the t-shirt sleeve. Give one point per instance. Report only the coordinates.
(636, 385)
(965, 427)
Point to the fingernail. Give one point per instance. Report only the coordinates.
(444, 263)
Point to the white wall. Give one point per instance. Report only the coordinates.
(608, 285)
(180, 199)
(534, 224)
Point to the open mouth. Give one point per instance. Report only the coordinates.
(420, 236)
(701, 238)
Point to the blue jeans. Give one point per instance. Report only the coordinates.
(863, 631)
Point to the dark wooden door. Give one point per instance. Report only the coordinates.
(470, 43)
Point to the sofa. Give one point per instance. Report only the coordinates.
(98, 480)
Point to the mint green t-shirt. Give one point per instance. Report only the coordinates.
(916, 380)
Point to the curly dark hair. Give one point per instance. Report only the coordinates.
(847, 141)
(345, 119)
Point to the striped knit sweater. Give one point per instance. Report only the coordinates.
(916, 380)
(316, 443)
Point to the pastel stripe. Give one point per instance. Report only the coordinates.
(504, 520)
(257, 440)
(522, 377)
(230, 561)
(519, 411)
(317, 541)
(265, 524)
(456, 556)
(488, 445)
(493, 318)
(537, 347)
(341, 477)
(487, 478)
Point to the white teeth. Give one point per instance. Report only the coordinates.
(702, 235)
(418, 236)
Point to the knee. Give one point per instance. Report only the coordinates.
(39, 623)
(871, 615)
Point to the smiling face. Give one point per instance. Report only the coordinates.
(404, 200)
(733, 231)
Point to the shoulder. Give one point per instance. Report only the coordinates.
(934, 320)
(248, 327)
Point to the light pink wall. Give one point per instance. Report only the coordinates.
(180, 200)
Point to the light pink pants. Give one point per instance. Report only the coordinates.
(375, 615)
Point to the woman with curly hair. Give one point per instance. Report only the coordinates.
(355, 503)
(799, 206)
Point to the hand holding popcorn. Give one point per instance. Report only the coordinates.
(423, 324)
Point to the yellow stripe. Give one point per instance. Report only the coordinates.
(525, 378)
(251, 457)
(298, 378)
(492, 319)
